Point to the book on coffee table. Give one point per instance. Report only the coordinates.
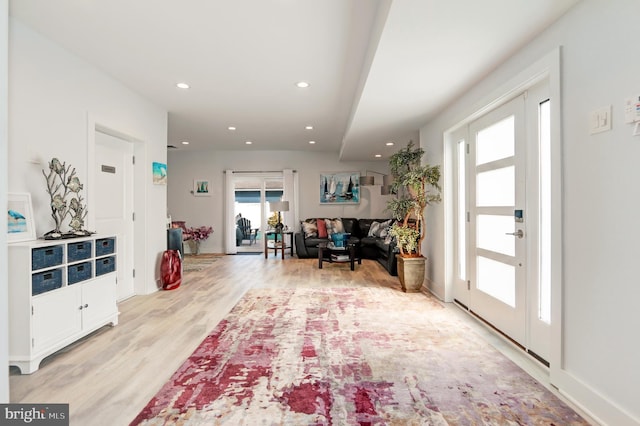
(340, 257)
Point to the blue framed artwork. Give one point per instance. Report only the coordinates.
(159, 173)
(340, 188)
(20, 222)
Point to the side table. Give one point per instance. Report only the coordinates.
(276, 245)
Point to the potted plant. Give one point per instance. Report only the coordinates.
(195, 235)
(416, 185)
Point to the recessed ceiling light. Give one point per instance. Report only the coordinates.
(378, 155)
(312, 142)
(183, 85)
(248, 142)
(389, 144)
(231, 128)
(185, 142)
(308, 128)
(302, 84)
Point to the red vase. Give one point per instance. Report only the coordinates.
(171, 270)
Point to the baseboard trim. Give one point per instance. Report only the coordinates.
(600, 409)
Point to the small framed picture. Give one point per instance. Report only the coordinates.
(159, 173)
(20, 222)
(201, 188)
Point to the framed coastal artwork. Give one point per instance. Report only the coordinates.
(159, 173)
(340, 188)
(20, 222)
(201, 188)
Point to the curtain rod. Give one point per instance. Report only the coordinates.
(260, 171)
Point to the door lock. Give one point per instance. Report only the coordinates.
(519, 233)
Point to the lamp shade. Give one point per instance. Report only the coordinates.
(367, 180)
(279, 206)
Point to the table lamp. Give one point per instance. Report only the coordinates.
(279, 206)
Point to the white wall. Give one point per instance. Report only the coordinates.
(4, 173)
(185, 166)
(601, 66)
(54, 96)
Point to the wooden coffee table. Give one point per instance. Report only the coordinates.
(327, 252)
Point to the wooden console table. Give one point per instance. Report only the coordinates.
(276, 244)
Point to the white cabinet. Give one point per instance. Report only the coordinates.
(59, 291)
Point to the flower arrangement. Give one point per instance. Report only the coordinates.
(198, 233)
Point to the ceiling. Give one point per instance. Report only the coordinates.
(378, 69)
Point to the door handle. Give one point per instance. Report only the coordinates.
(519, 233)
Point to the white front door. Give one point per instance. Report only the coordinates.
(114, 203)
(497, 194)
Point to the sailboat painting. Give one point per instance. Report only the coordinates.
(340, 188)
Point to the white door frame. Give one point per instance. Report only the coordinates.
(548, 67)
(139, 236)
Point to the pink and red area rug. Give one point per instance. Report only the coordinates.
(349, 356)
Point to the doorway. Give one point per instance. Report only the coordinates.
(502, 208)
(113, 203)
(252, 197)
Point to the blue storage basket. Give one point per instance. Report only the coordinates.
(105, 265)
(46, 281)
(105, 246)
(45, 257)
(78, 272)
(78, 251)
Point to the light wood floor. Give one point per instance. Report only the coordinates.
(108, 377)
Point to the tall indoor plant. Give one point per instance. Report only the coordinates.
(416, 185)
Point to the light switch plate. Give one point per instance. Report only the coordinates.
(600, 120)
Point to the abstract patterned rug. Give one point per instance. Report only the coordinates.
(349, 356)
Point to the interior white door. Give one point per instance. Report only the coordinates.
(114, 203)
(497, 201)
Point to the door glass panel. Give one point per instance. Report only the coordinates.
(497, 279)
(496, 187)
(462, 212)
(492, 236)
(496, 141)
(544, 311)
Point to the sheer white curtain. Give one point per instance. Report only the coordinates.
(229, 213)
(290, 194)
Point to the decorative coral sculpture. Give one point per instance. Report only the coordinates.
(62, 182)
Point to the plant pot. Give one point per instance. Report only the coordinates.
(194, 247)
(411, 272)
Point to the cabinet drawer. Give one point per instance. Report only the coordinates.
(46, 257)
(78, 251)
(78, 272)
(105, 265)
(46, 281)
(105, 246)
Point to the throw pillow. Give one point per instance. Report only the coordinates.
(380, 229)
(310, 228)
(322, 229)
(334, 226)
(389, 239)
